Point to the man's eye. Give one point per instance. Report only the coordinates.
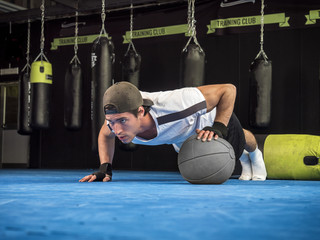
(123, 121)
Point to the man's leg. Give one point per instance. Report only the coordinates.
(252, 163)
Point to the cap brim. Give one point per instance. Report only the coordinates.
(147, 102)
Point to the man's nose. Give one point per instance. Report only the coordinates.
(117, 128)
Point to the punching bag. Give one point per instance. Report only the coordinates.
(73, 97)
(292, 156)
(41, 84)
(102, 59)
(192, 66)
(130, 73)
(260, 93)
(24, 103)
(131, 67)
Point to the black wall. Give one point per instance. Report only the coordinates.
(294, 52)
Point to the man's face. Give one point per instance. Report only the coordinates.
(124, 125)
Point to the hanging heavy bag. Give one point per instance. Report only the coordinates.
(131, 67)
(130, 73)
(41, 90)
(192, 66)
(102, 58)
(260, 93)
(24, 104)
(73, 97)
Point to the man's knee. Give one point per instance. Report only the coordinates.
(251, 143)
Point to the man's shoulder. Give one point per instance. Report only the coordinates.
(171, 93)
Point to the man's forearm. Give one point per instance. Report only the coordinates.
(106, 143)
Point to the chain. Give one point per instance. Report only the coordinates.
(76, 35)
(131, 21)
(192, 19)
(103, 18)
(42, 8)
(262, 25)
(28, 43)
(41, 54)
(27, 66)
(76, 29)
(262, 34)
(192, 25)
(131, 30)
(189, 18)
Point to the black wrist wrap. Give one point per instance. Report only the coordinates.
(105, 168)
(218, 128)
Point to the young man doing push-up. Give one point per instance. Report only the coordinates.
(170, 117)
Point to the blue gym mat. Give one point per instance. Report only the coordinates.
(52, 204)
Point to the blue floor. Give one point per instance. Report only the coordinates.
(52, 204)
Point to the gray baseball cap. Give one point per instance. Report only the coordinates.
(124, 97)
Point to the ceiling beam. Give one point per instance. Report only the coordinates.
(10, 7)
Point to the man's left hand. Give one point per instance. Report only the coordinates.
(206, 135)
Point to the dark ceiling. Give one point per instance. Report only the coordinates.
(11, 11)
(22, 10)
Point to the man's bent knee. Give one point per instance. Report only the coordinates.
(251, 143)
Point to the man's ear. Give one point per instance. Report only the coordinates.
(141, 111)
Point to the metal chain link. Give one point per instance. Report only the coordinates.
(131, 21)
(41, 54)
(28, 42)
(131, 45)
(27, 66)
(264, 55)
(189, 18)
(192, 19)
(192, 25)
(103, 18)
(76, 30)
(42, 8)
(76, 35)
(262, 25)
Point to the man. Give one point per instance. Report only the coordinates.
(170, 117)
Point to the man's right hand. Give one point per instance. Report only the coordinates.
(104, 174)
(91, 178)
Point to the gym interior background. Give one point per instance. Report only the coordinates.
(291, 42)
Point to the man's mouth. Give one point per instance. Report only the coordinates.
(122, 138)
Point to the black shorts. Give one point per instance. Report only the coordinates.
(236, 136)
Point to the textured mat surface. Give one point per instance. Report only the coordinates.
(52, 204)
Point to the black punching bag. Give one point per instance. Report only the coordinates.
(260, 93)
(24, 103)
(73, 97)
(102, 58)
(130, 73)
(192, 66)
(41, 84)
(131, 67)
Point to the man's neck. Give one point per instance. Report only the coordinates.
(148, 128)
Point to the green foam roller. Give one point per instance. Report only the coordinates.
(292, 156)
